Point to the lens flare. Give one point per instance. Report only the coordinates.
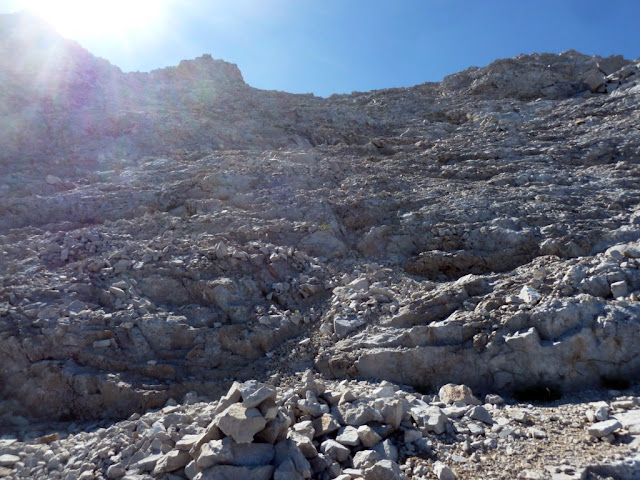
(75, 18)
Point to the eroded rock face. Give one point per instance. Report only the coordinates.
(480, 231)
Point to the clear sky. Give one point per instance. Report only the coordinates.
(340, 46)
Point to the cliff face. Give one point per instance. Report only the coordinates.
(60, 101)
(166, 232)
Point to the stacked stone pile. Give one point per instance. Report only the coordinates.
(335, 430)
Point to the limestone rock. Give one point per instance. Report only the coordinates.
(602, 429)
(443, 472)
(240, 423)
(451, 393)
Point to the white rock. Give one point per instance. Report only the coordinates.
(493, 399)
(619, 289)
(359, 284)
(241, 423)
(171, 462)
(365, 458)
(384, 470)
(443, 472)
(368, 436)
(254, 393)
(342, 326)
(431, 418)
(480, 413)
(529, 295)
(602, 429)
(8, 460)
(349, 436)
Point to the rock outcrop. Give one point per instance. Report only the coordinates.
(164, 234)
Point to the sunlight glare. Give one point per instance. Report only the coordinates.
(75, 18)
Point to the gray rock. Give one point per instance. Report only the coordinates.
(481, 414)
(430, 418)
(619, 289)
(233, 472)
(335, 450)
(602, 429)
(227, 451)
(116, 470)
(443, 472)
(493, 399)
(287, 450)
(304, 444)
(451, 393)
(358, 413)
(349, 436)
(325, 424)
(385, 470)
(8, 460)
(240, 423)
(342, 326)
(365, 459)
(287, 471)
(254, 393)
(387, 450)
(368, 436)
(171, 462)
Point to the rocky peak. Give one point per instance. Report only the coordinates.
(538, 75)
(201, 69)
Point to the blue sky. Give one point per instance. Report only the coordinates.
(339, 46)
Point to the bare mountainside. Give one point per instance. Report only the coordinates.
(165, 234)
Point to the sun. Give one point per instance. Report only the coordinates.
(99, 18)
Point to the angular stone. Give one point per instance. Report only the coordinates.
(481, 414)
(233, 472)
(254, 393)
(619, 289)
(275, 429)
(430, 418)
(304, 444)
(529, 295)
(325, 424)
(335, 450)
(171, 462)
(8, 460)
(233, 396)
(314, 409)
(288, 450)
(240, 423)
(602, 429)
(342, 326)
(349, 436)
(227, 451)
(358, 413)
(443, 472)
(392, 410)
(287, 471)
(368, 436)
(493, 399)
(365, 459)
(148, 463)
(452, 393)
(116, 470)
(387, 450)
(211, 433)
(305, 428)
(384, 470)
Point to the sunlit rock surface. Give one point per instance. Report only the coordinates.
(171, 231)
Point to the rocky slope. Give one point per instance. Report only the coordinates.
(170, 232)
